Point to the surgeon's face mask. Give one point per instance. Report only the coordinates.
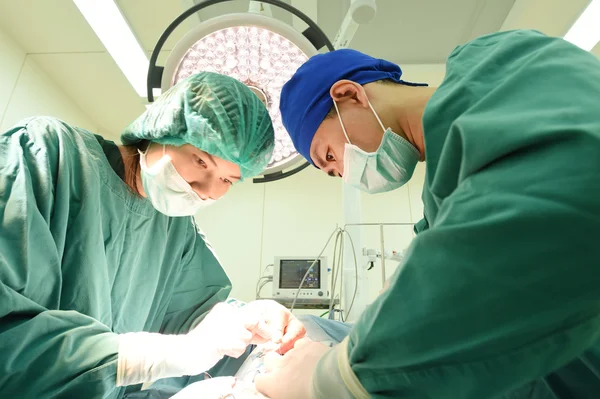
(169, 193)
(386, 169)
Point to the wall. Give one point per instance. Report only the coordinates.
(26, 90)
(295, 216)
(256, 222)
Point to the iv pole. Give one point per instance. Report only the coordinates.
(382, 239)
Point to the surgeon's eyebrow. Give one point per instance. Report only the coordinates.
(211, 159)
(318, 160)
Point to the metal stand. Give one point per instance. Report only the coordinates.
(381, 236)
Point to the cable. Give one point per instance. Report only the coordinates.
(335, 270)
(333, 310)
(337, 229)
(310, 268)
(261, 287)
(355, 275)
(341, 270)
(266, 267)
(268, 279)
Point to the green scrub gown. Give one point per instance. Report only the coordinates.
(82, 259)
(500, 292)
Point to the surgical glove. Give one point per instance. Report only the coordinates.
(290, 376)
(147, 357)
(283, 328)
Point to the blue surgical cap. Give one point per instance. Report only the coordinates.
(305, 99)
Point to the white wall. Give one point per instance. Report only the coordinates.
(294, 217)
(256, 222)
(26, 90)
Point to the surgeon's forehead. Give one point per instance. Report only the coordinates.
(315, 146)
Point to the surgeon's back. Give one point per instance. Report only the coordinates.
(512, 201)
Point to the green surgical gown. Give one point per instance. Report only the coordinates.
(82, 259)
(500, 293)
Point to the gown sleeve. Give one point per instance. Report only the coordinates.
(200, 286)
(43, 352)
(502, 289)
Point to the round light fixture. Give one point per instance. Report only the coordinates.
(258, 50)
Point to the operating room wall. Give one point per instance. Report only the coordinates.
(294, 217)
(26, 90)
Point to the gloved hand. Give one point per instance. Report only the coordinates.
(290, 376)
(145, 357)
(282, 328)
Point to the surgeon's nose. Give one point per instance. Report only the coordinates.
(333, 171)
(204, 192)
(219, 189)
(213, 189)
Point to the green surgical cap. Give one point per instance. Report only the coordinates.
(214, 113)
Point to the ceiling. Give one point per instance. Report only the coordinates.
(408, 32)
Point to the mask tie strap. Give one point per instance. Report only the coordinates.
(376, 116)
(146, 150)
(341, 123)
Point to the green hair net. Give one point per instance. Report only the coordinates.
(214, 113)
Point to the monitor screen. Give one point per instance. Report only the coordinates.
(291, 272)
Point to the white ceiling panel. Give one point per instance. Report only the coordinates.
(426, 31)
(552, 17)
(596, 50)
(48, 26)
(97, 85)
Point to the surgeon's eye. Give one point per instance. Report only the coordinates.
(227, 181)
(329, 157)
(199, 161)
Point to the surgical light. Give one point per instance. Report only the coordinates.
(585, 32)
(258, 50)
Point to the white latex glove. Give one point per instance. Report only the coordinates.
(146, 357)
(290, 376)
(282, 330)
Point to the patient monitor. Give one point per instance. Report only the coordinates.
(288, 274)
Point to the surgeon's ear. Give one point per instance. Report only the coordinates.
(347, 90)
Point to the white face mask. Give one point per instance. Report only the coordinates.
(386, 169)
(169, 193)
